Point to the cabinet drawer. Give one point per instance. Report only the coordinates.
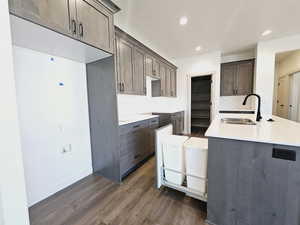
(133, 143)
(129, 161)
(127, 128)
(154, 121)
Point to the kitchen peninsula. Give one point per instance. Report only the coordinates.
(253, 172)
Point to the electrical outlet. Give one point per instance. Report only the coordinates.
(66, 149)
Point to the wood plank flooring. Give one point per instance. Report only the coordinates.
(98, 201)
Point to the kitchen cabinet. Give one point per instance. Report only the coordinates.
(86, 20)
(139, 79)
(168, 82)
(95, 24)
(51, 14)
(156, 67)
(130, 68)
(125, 66)
(237, 78)
(173, 83)
(103, 118)
(176, 119)
(137, 143)
(135, 61)
(149, 65)
(162, 76)
(250, 182)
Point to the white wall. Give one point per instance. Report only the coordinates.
(122, 20)
(265, 67)
(204, 64)
(53, 112)
(287, 66)
(12, 183)
(1, 211)
(132, 104)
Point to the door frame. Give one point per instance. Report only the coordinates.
(214, 88)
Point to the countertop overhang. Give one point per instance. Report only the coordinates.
(280, 132)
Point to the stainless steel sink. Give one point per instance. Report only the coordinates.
(238, 121)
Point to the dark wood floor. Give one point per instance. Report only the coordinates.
(98, 201)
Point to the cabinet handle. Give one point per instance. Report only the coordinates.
(81, 29)
(136, 126)
(123, 89)
(74, 29)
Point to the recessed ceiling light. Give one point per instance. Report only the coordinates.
(198, 48)
(266, 32)
(183, 20)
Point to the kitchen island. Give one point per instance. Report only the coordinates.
(254, 172)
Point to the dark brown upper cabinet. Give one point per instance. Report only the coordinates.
(89, 21)
(134, 61)
(139, 79)
(125, 66)
(237, 78)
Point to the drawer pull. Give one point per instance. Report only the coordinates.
(136, 126)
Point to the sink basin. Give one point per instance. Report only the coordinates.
(238, 121)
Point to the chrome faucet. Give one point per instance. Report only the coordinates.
(258, 115)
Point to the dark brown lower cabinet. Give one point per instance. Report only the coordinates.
(137, 143)
(176, 119)
(251, 183)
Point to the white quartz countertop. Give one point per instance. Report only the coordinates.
(135, 118)
(282, 131)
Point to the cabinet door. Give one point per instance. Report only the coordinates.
(168, 81)
(228, 74)
(139, 85)
(244, 78)
(117, 65)
(162, 75)
(125, 65)
(173, 83)
(156, 67)
(51, 14)
(95, 24)
(149, 65)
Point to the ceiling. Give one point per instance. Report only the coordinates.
(229, 26)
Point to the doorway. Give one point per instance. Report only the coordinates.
(288, 97)
(200, 104)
